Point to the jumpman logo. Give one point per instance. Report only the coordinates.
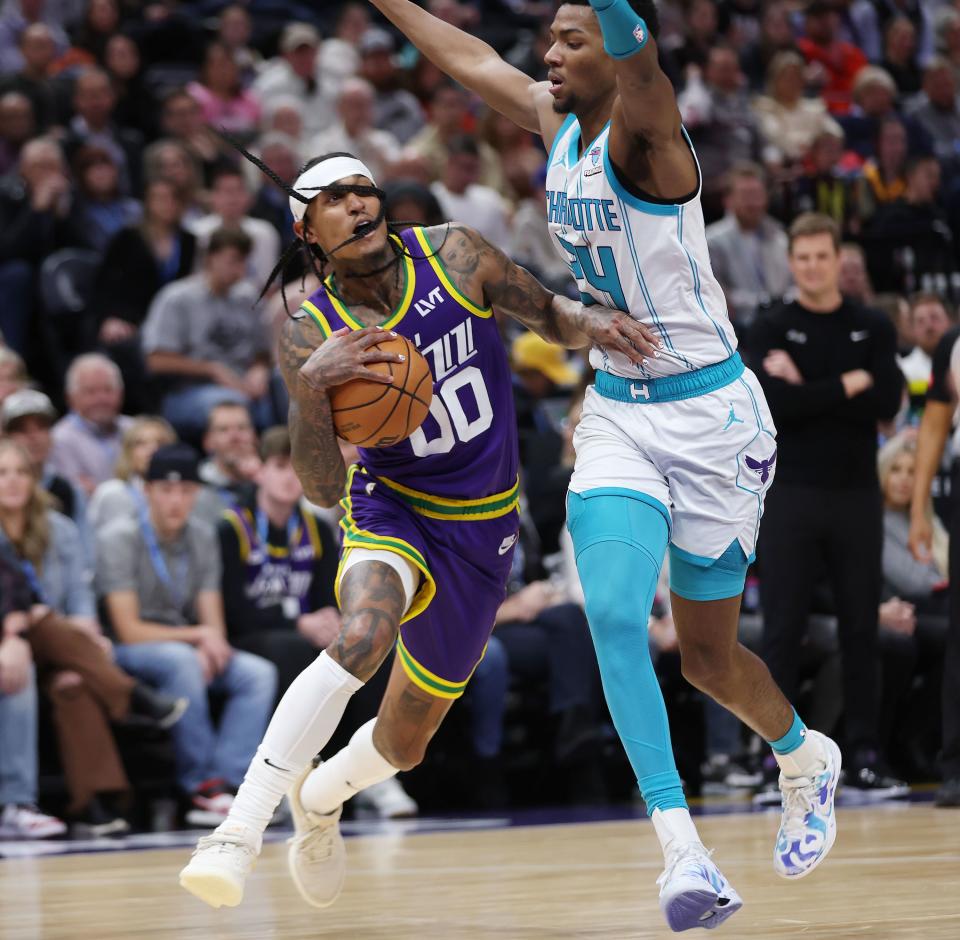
(732, 418)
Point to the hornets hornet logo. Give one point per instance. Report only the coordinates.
(596, 166)
(761, 467)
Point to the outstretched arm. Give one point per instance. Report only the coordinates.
(483, 270)
(471, 62)
(646, 140)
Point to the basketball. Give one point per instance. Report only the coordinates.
(369, 414)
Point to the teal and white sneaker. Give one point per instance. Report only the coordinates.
(808, 827)
(694, 892)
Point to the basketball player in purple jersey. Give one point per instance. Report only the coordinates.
(430, 523)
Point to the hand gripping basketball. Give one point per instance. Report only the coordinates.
(380, 387)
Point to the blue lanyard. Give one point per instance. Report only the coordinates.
(30, 573)
(176, 587)
(263, 530)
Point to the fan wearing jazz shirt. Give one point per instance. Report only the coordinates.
(431, 522)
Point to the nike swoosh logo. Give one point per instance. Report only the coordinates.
(506, 545)
(270, 763)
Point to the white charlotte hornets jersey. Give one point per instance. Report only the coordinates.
(647, 258)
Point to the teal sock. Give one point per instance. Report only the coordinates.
(792, 739)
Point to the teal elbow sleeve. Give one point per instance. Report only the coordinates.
(624, 30)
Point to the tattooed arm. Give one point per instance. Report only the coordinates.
(482, 270)
(311, 366)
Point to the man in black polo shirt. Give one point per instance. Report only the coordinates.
(829, 370)
(934, 430)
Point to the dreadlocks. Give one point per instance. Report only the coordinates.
(315, 255)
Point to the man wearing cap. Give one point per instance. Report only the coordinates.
(159, 575)
(395, 110)
(295, 73)
(27, 416)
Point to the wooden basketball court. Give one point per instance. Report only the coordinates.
(894, 874)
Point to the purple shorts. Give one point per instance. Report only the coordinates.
(464, 563)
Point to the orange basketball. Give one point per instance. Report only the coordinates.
(373, 415)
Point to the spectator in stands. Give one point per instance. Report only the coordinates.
(35, 221)
(13, 373)
(136, 103)
(19, 816)
(521, 158)
(338, 54)
(937, 112)
(776, 35)
(101, 209)
(911, 247)
(224, 102)
(160, 578)
(837, 62)
(692, 46)
(279, 566)
(396, 110)
(181, 121)
(748, 249)
(449, 114)
(721, 124)
(120, 497)
(94, 101)
(271, 203)
(534, 246)
(789, 123)
(206, 336)
(57, 615)
(461, 196)
(283, 114)
(854, 278)
(17, 126)
(900, 55)
(884, 176)
(930, 318)
(874, 101)
(172, 162)
(871, 21)
(26, 417)
(946, 24)
(413, 203)
(33, 80)
(355, 132)
(230, 204)
(935, 430)
(295, 73)
(234, 31)
(231, 466)
(101, 20)
(829, 370)
(16, 20)
(86, 441)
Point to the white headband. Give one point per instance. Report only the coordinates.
(323, 174)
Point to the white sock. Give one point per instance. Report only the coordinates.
(674, 828)
(804, 761)
(306, 717)
(358, 766)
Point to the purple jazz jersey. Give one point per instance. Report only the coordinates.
(445, 498)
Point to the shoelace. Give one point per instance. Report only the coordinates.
(691, 851)
(799, 796)
(224, 842)
(316, 845)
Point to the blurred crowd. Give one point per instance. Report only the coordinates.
(151, 595)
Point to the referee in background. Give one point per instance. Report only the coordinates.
(934, 430)
(829, 370)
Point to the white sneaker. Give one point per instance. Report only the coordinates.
(387, 800)
(220, 864)
(693, 891)
(27, 822)
(317, 857)
(808, 826)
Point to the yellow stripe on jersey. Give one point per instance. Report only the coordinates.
(442, 507)
(444, 278)
(429, 681)
(317, 318)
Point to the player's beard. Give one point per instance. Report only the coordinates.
(567, 105)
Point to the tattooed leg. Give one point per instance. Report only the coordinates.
(372, 601)
(408, 719)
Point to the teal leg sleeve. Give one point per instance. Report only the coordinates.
(620, 542)
(623, 29)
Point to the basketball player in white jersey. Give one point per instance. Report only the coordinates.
(678, 451)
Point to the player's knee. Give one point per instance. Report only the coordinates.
(364, 642)
(707, 669)
(403, 755)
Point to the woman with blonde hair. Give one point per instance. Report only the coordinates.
(57, 617)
